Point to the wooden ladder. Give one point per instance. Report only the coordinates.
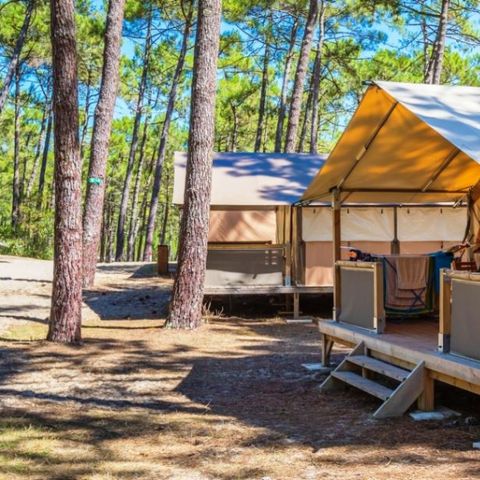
(362, 371)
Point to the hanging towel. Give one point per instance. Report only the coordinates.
(412, 272)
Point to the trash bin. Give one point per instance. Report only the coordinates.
(162, 260)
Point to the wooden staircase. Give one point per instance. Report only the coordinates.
(396, 387)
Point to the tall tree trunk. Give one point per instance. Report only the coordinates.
(38, 149)
(88, 101)
(263, 96)
(122, 215)
(157, 179)
(299, 85)
(234, 134)
(282, 109)
(66, 311)
(317, 73)
(435, 63)
(133, 230)
(43, 166)
(17, 50)
(102, 128)
(167, 211)
(16, 156)
(306, 118)
(440, 43)
(186, 304)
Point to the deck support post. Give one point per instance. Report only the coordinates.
(426, 401)
(337, 234)
(445, 312)
(327, 345)
(378, 301)
(296, 305)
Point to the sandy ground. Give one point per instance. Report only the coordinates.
(228, 401)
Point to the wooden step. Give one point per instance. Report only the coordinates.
(364, 384)
(386, 369)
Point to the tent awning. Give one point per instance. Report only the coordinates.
(406, 143)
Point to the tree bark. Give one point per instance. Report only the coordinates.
(440, 43)
(435, 63)
(133, 230)
(317, 72)
(17, 50)
(282, 110)
(86, 114)
(166, 213)
(16, 155)
(122, 215)
(157, 179)
(306, 118)
(102, 128)
(186, 304)
(43, 166)
(66, 309)
(263, 96)
(298, 88)
(38, 149)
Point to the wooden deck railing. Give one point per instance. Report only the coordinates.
(359, 294)
(459, 326)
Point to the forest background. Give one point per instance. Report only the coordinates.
(352, 42)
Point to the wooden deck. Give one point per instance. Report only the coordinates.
(264, 289)
(405, 344)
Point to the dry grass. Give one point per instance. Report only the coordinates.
(229, 401)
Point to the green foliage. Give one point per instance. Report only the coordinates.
(364, 40)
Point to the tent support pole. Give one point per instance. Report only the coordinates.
(395, 249)
(337, 235)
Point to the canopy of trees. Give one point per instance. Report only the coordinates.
(290, 73)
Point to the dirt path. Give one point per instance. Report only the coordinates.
(229, 401)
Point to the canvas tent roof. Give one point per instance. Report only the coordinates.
(406, 143)
(254, 179)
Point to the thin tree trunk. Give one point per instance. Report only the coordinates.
(435, 62)
(263, 96)
(234, 135)
(43, 166)
(102, 128)
(16, 156)
(157, 179)
(441, 39)
(282, 110)
(298, 88)
(167, 211)
(317, 73)
(306, 118)
(142, 222)
(38, 149)
(66, 310)
(84, 127)
(122, 215)
(13, 65)
(186, 304)
(133, 230)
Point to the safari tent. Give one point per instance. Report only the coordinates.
(253, 224)
(405, 145)
(255, 204)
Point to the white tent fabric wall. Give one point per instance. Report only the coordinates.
(415, 224)
(420, 230)
(431, 224)
(358, 224)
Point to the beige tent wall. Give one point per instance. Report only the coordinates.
(319, 259)
(242, 226)
(371, 229)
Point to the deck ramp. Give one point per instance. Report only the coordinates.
(397, 387)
